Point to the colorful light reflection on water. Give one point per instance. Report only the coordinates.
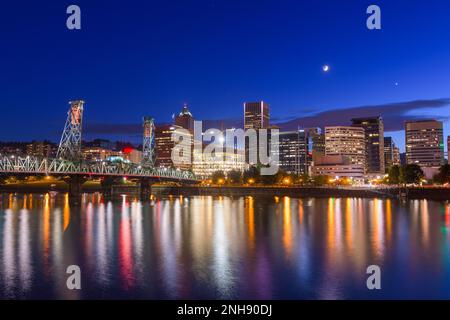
(223, 248)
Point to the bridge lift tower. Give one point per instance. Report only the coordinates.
(149, 144)
(70, 144)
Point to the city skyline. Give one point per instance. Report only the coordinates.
(223, 159)
(356, 152)
(136, 129)
(127, 73)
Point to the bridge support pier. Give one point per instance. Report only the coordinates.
(145, 188)
(2, 179)
(75, 188)
(107, 184)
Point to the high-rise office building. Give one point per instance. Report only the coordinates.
(165, 143)
(185, 119)
(403, 158)
(317, 143)
(374, 143)
(388, 153)
(396, 156)
(344, 153)
(448, 148)
(292, 151)
(256, 116)
(424, 143)
(346, 141)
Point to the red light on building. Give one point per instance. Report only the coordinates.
(127, 150)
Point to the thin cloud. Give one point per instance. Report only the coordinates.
(394, 114)
(112, 129)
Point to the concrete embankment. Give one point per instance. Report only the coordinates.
(435, 193)
(411, 193)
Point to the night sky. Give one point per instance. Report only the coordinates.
(134, 58)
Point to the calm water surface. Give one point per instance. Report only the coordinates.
(223, 248)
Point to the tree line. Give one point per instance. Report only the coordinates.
(397, 174)
(253, 176)
(412, 173)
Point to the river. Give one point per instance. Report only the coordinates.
(205, 247)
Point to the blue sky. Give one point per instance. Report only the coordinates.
(135, 58)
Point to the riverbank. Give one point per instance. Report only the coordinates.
(431, 193)
(46, 186)
(440, 194)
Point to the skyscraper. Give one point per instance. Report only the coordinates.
(256, 115)
(165, 144)
(424, 143)
(317, 139)
(346, 141)
(293, 151)
(344, 153)
(185, 119)
(396, 156)
(388, 153)
(448, 148)
(374, 143)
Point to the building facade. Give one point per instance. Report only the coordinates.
(345, 155)
(346, 141)
(396, 160)
(391, 154)
(185, 119)
(388, 153)
(338, 166)
(316, 147)
(256, 115)
(164, 145)
(132, 155)
(97, 154)
(204, 165)
(317, 139)
(374, 143)
(424, 142)
(128, 154)
(42, 149)
(13, 148)
(448, 148)
(293, 151)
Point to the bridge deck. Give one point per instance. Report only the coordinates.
(46, 166)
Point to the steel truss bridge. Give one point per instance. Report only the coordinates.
(69, 161)
(60, 167)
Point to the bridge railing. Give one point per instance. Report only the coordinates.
(13, 164)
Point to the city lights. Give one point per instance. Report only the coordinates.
(224, 159)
